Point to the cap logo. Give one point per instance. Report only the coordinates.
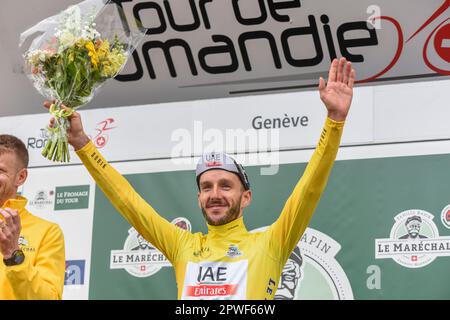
(212, 157)
(214, 164)
(221, 161)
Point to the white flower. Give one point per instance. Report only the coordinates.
(66, 39)
(74, 26)
(37, 57)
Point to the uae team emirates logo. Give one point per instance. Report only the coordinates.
(212, 280)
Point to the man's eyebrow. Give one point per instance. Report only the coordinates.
(226, 180)
(221, 180)
(204, 183)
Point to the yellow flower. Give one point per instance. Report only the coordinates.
(111, 61)
(92, 53)
(103, 49)
(106, 71)
(81, 42)
(117, 58)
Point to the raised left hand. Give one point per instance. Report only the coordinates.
(337, 92)
(9, 232)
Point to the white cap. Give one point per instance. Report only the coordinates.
(221, 161)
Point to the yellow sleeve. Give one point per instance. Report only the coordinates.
(43, 279)
(300, 206)
(165, 236)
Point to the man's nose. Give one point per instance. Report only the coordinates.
(215, 192)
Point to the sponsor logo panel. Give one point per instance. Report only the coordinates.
(139, 257)
(72, 197)
(414, 240)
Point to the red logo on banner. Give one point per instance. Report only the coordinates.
(102, 138)
(210, 291)
(100, 142)
(441, 39)
(442, 43)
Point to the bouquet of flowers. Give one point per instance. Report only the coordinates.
(75, 53)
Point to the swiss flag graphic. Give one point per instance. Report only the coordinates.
(442, 43)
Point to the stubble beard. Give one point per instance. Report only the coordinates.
(230, 215)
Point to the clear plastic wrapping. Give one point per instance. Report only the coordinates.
(70, 57)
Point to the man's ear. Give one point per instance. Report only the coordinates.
(21, 177)
(246, 198)
(198, 200)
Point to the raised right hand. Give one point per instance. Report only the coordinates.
(75, 134)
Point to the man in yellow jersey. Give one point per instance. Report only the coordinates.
(229, 262)
(32, 257)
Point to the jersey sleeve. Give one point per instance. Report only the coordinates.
(165, 236)
(300, 206)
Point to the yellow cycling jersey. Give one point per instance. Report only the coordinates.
(228, 262)
(41, 275)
